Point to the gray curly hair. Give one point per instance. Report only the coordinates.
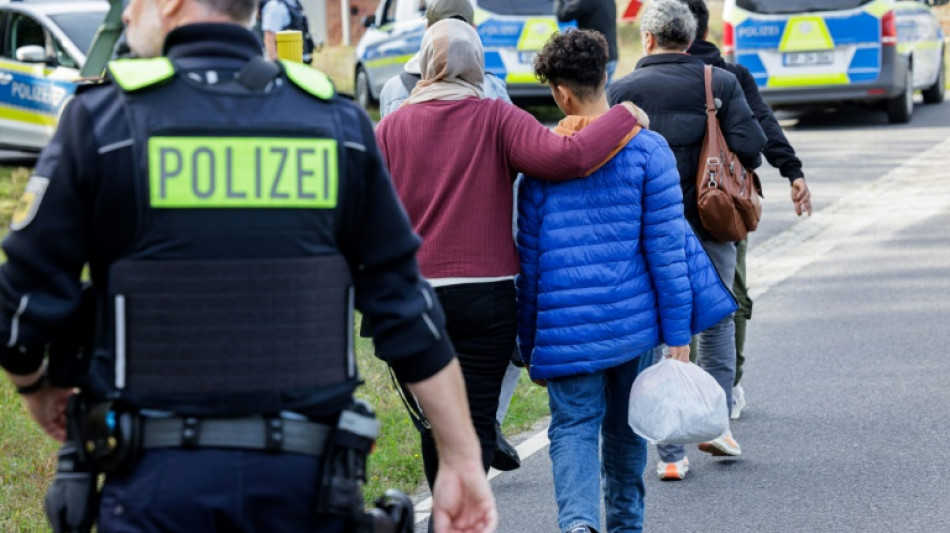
(671, 22)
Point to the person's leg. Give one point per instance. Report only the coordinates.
(624, 453)
(508, 386)
(505, 456)
(741, 291)
(717, 345)
(577, 412)
(481, 321)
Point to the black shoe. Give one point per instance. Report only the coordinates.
(505, 457)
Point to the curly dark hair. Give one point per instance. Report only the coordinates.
(577, 59)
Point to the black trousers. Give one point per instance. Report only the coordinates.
(482, 322)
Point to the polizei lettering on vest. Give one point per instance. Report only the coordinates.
(241, 172)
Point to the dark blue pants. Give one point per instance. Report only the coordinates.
(211, 490)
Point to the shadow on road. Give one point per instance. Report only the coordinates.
(854, 116)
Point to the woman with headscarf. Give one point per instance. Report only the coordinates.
(453, 156)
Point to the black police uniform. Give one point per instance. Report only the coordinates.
(228, 221)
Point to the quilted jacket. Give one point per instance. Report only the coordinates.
(609, 266)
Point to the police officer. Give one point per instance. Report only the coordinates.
(231, 212)
(280, 15)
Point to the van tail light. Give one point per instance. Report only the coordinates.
(889, 29)
(728, 39)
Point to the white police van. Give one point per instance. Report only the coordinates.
(804, 52)
(43, 45)
(512, 32)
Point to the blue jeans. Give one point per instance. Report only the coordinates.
(591, 439)
(717, 345)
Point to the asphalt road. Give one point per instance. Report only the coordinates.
(848, 379)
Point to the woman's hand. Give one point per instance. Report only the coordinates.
(642, 119)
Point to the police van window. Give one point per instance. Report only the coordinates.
(390, 14)
(777, 7)
(63, 59)
(518, 7)
(80, 27)
(24, 31)
(3, 35)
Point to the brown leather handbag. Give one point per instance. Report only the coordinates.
(727, 193)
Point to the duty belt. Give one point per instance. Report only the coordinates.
(250, 433)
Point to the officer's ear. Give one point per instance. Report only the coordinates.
(171, 11)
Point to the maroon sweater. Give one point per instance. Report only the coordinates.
(453, 164)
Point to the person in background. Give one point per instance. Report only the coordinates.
(453, 155)
(397, 89)
(669, 84)
(394, 93)
(605, 277)
(280, 15)
(778, 152)
(597, 15)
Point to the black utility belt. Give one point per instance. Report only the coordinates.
(248, 433)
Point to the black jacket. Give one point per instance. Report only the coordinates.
(778, 151)
(600, 15)
(88, 214)
(670, 89)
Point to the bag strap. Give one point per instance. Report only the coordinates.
(710, 101)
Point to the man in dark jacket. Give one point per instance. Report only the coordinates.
(597, 15)
(779, 154)
(668, 85)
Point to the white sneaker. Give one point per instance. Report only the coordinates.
(738, 402)
(672, 471)
(724, 446)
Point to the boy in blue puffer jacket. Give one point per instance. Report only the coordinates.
(609, 269)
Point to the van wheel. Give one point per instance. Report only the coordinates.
(901, 107)
(363, 93)
(934, 94)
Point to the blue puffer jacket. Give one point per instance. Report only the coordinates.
(609, 266)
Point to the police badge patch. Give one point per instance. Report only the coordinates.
(29, 202)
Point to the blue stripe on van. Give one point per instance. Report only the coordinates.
(753, 34)
(35, 94)
(756, 68)
(494, 64)
(497, 33)
(857, 28)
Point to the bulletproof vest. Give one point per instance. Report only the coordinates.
(233, 298)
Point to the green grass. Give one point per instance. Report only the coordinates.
(27, 454)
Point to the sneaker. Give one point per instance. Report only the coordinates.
(580, 529)
(738, 402)
(724, 446)
(505, 457)
(672, 471)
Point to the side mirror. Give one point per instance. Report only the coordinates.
(369, 21)
(31, 54)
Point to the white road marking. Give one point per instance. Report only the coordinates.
(905, 196)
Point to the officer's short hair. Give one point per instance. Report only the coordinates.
(238, 10)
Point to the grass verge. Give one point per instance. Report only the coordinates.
(27, 454)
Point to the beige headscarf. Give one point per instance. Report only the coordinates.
(452, 64)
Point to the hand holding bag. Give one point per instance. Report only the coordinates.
(727, 193)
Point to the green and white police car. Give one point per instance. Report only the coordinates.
(43, 45)
(804, 52)
(512, 32)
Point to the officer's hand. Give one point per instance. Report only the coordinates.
(801, 197)
(48, 407)
(462, 500)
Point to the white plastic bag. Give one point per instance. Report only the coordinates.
(677, 403)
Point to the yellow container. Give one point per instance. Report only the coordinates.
(290, 45)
